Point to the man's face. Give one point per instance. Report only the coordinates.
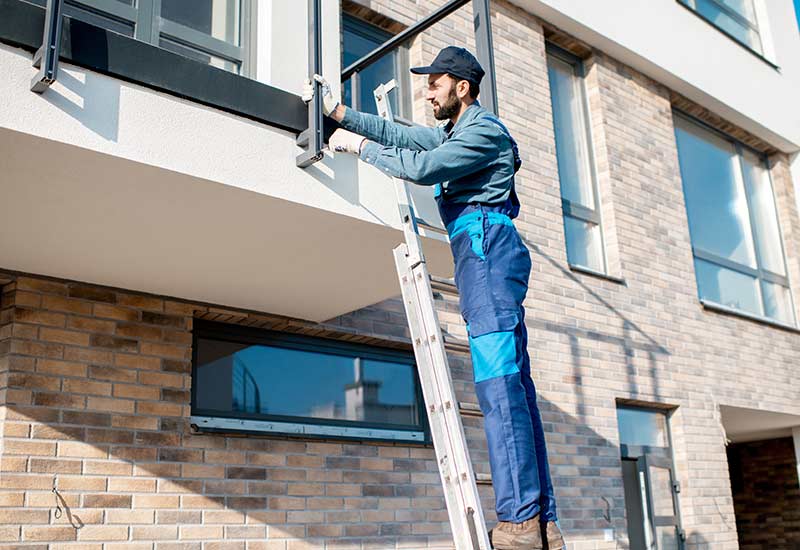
(443, 97)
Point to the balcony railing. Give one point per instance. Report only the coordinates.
(485, 54)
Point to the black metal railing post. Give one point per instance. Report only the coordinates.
(46, 58)
(312, 138)
(483, 40)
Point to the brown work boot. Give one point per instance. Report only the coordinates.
(517, 536)
(553, 540)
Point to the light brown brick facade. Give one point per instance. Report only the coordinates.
(95, 382)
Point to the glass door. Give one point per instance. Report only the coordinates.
(656, 482)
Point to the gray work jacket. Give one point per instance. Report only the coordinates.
(473, 160)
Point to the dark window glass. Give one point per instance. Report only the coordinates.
(216, 18)
(208, 31)
(303, 382)
(358, 39)
(94, 16)
(198, 55)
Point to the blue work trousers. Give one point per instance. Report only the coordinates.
(492, 267)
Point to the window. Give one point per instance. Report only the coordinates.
(261, 381)
(736, 18)
(214, 32)
(579, 198)
(733, 223)
(358, 39)
(649, 480)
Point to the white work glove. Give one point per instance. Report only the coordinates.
(329, 103)
(343, 141)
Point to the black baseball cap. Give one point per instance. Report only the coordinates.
(457, 62)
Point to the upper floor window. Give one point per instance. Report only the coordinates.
(736, 18)
(733, 222)
(261, 381)
(215, 32)
(579, 198)
(358, 39)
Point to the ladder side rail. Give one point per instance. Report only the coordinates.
(456, 503)
(449, 404)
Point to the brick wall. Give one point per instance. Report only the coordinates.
(766, 495)
(96, 393)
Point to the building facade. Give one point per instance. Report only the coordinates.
(201, 344)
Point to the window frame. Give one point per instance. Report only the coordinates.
(300, 426)
(736, 16)
(401, 61)
(759, 273)
(644, 455)
(144, 17)
(569, 209)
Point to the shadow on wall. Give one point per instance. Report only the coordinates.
(329, 494)
(634, 341)
(91, 99)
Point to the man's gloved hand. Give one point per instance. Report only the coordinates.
(342, 141)
(329, 103)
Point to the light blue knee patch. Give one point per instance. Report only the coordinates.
(493, 355)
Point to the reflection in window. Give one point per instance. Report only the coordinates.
(582, 226)
(737, 18)
(208, 31)
(358, 39)
(304, 382)
(642, 427)
(216, 18)
(733, 223)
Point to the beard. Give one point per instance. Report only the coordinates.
(450, 107)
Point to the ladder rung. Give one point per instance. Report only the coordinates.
(456, 345)
(483, 479)
(469, 409)
(432, 227)
(448, 286)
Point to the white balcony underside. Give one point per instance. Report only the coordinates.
(78, 214)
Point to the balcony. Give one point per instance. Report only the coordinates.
(113, 178)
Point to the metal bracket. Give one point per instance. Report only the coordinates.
(46, 57)
(312, 138)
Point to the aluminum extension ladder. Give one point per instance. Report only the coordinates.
(455, 467)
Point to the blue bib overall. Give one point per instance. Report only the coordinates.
(492, 267)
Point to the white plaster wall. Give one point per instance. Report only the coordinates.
(110, 116)
(666, 41)
(283, 30)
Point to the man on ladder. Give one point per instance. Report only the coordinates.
(472, 161)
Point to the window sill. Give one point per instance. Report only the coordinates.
(732, 37)
(129, 59)
(719, 308)
(211, 424)
(598, 274)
